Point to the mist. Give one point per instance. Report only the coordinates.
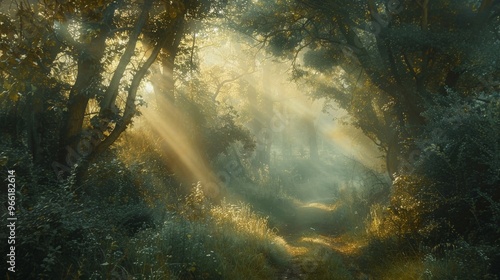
(250, 139)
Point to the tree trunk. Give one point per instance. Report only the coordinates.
(86, 82)
(164, 81)
(32, 126)
(168, 82)
(77, 104)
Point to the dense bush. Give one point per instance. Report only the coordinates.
(204, 242)
(444, 207)
(63, 230)
(103, 229)
(452, 191)
(447, 194)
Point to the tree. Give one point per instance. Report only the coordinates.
(178, 55)
(403, 53)
(81, 65)
(452, 191)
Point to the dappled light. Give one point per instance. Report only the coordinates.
(181, 149)
(250, 139)
(321, 206)
(340, 244)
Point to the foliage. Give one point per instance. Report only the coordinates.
(464, 262)
(220, 135)
(263, 248)
(382, 62)
(322, 263)
(413, 202)
(214, 123)
(321, 60)
(78, 234)
(451, 191)
(444, 207)
(415, 78)
(148, 166)
(218, 242)
(71, 75)
(386, 258)
(63, 230)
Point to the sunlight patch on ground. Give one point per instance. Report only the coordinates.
(342, 244)
(316, 240)
(280, 241)
(291, 249)
(322, 206)
(295, 251)
(346, 245)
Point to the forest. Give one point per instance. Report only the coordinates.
(250, 139)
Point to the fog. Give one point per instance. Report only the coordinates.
(282, 116)
(250, 139)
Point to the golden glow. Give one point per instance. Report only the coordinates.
(342, 244)
(316, 240)
(148, 87)
(283, 105)
(180, 148)
(296, 250)
(321, 206)
(356, 145)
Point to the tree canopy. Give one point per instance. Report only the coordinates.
(250, 139)
(384, 62)
(79, 66)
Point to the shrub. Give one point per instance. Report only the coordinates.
(461, 261)
(210, 242)
(451, 192)
(64, 230)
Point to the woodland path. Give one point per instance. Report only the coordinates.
(312, 236)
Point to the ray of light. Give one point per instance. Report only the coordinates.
(180, 147)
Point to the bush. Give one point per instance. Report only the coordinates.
(64, 230)
(207, 242)
(462, 261)
(451, 192)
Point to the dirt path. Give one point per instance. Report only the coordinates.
(318, 248)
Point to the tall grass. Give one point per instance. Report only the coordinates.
(226, 241)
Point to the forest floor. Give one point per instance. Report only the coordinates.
(317, 245)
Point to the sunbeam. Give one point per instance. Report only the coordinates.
(183, 151)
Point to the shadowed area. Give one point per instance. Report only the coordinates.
(250, 139)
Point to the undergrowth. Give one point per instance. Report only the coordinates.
(226, 241)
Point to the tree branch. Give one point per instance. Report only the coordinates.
(112, 90)
(219, 87)
(130, 107)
